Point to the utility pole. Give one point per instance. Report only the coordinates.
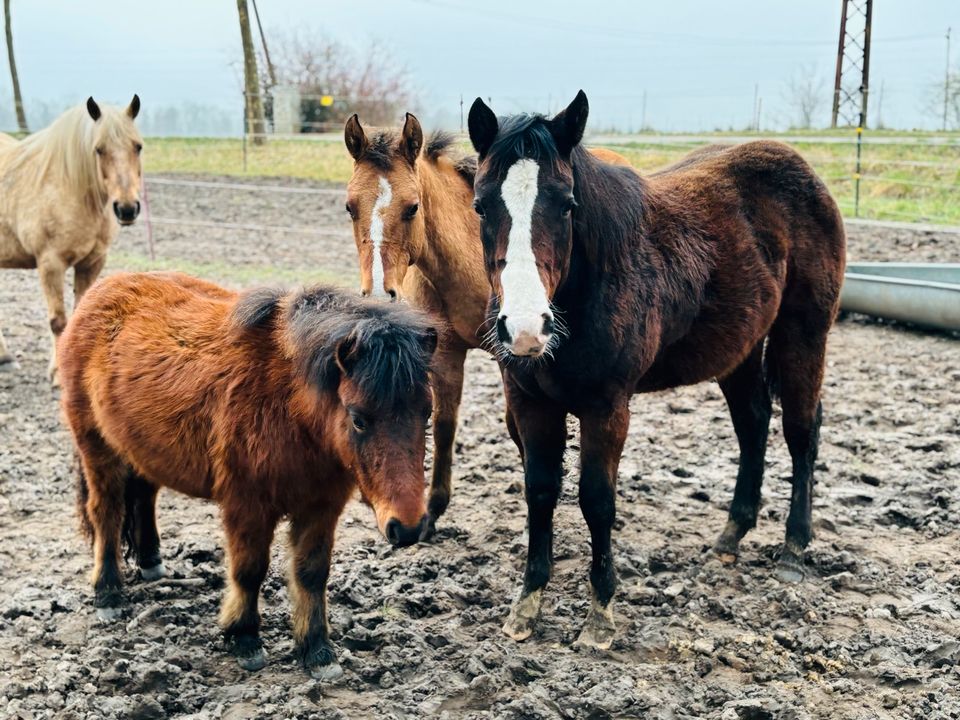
(266, 52)
(853, 61)
(946, 83)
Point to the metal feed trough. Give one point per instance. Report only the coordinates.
(923, 293)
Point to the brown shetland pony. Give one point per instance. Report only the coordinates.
(273, 404)
(416, 236)
(606, 284)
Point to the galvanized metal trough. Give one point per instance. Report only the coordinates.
(927, 294)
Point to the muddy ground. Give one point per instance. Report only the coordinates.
(874, 632)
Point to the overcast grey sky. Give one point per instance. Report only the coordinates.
(697, 61)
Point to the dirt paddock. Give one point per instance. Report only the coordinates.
(874, 632)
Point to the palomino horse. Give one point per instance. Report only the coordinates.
(274, 404)
(62, 192)
(416, 235)
(660, 282)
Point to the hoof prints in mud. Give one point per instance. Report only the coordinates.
(872, 632)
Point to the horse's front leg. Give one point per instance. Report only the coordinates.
(311, 542)
(85, 274)
(249, 533)
(542, 430)
(601, 442)
(447, 390)
(52, 270)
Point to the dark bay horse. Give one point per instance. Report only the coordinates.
(273, 404)
(410, 199)
(607, 284)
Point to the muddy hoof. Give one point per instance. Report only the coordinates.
(326, 673)
(109, 614)
(256, 660)
(153, 573)
(8, 364)
(600, 629)
(429, 529)
(523, 616)
(727, 547)
(790, 566)
(321, 663)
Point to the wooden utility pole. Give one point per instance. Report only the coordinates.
(253, 115)
(946, 84)
(17, 98)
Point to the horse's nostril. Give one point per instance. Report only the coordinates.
(116, 209)
(136, 208)
(548, 325)
(503, 335)
(392, 531)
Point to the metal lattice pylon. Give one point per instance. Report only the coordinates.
(851, 86)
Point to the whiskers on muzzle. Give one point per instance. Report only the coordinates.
(496, 339)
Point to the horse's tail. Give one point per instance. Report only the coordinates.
(83, 494)
(135, 490)
(771, 369)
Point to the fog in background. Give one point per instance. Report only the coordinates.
(699, 63)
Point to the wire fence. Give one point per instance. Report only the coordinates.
(896, 180)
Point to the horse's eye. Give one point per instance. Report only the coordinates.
(99, 151)
(359, 424)
(478, 207)
(351, 211)
(568, 207)
(137, 147)
(411, 211)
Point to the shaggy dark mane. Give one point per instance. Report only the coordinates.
(524, 136)
(388, 342)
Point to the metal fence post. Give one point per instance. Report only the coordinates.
(856, 175)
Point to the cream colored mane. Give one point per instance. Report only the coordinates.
(64, 153)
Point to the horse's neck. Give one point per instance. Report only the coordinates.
(448, 220)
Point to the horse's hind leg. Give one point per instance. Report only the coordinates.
(145, 539)
(798, 347)
(749, 401)
(52, 270)
(311, 541)
(249, 532)
(447, 390)
(105, 475)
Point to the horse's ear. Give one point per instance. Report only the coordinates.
(133, 109)
(428, 341)
(411, 140)
(568, 126)
(354, 137)
(346, 354)
(483, 126)
(93, 108)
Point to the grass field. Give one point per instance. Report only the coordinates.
(913, 178)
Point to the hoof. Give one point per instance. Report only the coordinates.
(153, 573)
(790, 566)
(254, 661)
(600, 629)
(8, 364)
(727, 547)
(429, 529)
(523, 616)
(326, 673)
(109, 614)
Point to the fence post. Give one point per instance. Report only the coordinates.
(856, 175)
(244, 132)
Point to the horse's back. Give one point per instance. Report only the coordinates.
(140, 362)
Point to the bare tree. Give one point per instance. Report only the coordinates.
(253, 104)
(805, 95)
(17, 98)
(369, 82)
(943, 100)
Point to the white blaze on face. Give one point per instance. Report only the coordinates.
(376, 235)
(524, 304)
